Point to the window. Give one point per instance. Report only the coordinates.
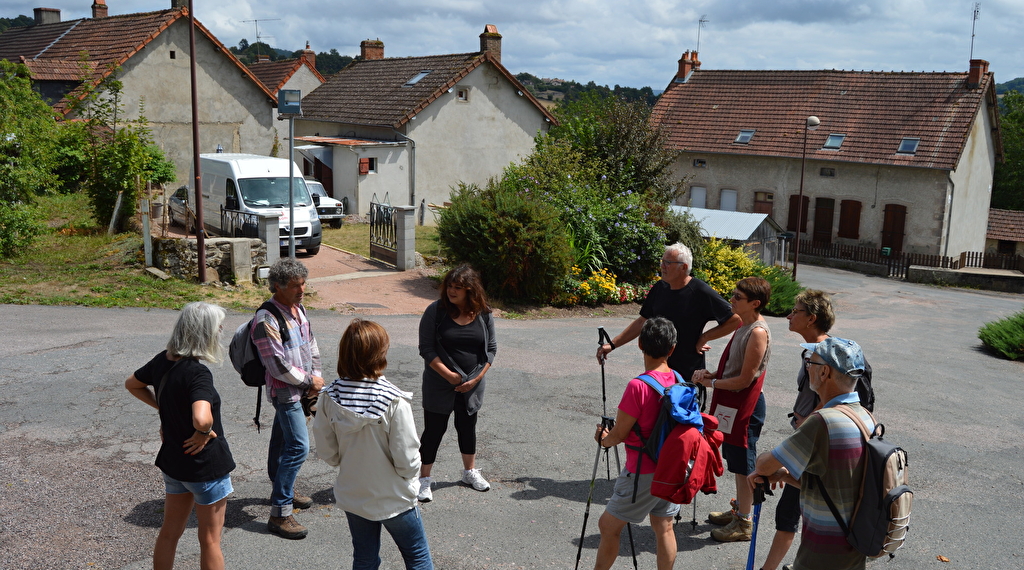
(834, 141)
(462, 94)
(698, 197)
(367, 166)
(764, 202)
(793, 212)
(727, 201)
(828, 172)
(849, 219)
(744, 136)
(908, 145)
(700, 163)
(416, 78)
(173, 55)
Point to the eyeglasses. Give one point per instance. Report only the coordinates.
(795, 311)
(663, 262)
(808, 363)
(738, 297)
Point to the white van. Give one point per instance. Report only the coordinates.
(253, 184)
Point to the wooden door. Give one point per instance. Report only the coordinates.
(893, 226)
(824, 212)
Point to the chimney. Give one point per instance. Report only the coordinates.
(99, 9)
(490, 41)
(687, 64)
(979, 67)
(179, 4)
(46, 15)
(371, 49)
(309, 56)
(262, 58)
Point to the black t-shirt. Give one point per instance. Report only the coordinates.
(464, 344)
(190, 381)
(689, 308)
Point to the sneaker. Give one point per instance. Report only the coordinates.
(739, 530)
(301, 501)
(286, 527)
(472, 478)
(724, 517)
(425, 495)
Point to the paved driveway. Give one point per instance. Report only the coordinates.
(80, 490)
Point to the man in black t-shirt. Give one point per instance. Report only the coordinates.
(690, 304)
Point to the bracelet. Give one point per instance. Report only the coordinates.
(611, 344)
(713, 380)
(207, 432)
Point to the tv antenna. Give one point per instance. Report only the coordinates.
(258, 36)
(977, 12)
(703, 21)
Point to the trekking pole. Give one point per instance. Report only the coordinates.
(602, 339)
(760, 490)
(590, 497)
(629, 527)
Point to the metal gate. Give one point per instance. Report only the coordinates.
(383, 231)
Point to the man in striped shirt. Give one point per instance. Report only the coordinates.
(827, 445)
(293, 369)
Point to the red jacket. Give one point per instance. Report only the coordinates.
(689, 462)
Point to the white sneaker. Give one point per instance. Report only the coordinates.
(425, 495)
(472, 478)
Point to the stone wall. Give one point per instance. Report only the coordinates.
(229, 260)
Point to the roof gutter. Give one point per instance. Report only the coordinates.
(950, 191)
(412, 170)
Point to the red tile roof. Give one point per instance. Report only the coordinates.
(373, 92)
(274, 74)
(1005, 225)
(109, 42)
(57, 69)
(875, 110)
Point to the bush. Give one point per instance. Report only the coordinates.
(516, 242)
(19, 226)
(722, 266)
(682, 228)
(599, 288)
(784, 289)
(1005, 336)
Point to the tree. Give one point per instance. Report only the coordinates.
(331, 63)
(27, 128)
(1008, 185)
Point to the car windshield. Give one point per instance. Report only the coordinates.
(272, 192)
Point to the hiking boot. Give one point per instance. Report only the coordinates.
(724, 517)
(738, 530)
(301, 501)
(286, 527)
(425, 495)
(472, 478)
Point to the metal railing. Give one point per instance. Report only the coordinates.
(235, 223)
(897, 262)
(383, 231)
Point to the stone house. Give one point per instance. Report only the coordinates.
(151, 49)
(411, 128)
(902, 160)
(298, 73)
(1005, 232)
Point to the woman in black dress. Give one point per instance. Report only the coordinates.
(458, 346)
(194, 455)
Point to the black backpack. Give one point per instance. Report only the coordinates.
(245, 357)
(881, 517)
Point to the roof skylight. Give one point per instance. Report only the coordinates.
(744, 136)
(416, 78)
(908, 145)
(834, 141)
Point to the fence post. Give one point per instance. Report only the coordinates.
(405, 237)
(270, 233)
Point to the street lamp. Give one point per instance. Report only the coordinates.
(812, 123)
(289, 102)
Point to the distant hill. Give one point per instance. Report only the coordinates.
(15, 22)
(1011, 85)
(568, 90)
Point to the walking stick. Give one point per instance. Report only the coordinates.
(760, 490)
(629, 527)
(602, 339)
(605, 422)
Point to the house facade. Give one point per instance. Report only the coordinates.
(151, 51)
(412, 128)
(1005, 232)
(299, 73)
(898, 160)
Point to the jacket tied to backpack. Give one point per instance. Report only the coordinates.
(690, 462)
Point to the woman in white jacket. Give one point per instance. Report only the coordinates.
(364, 426)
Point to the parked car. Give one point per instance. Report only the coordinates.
(178, 205)
(329, 209)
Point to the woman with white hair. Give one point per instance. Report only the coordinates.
(194, 454)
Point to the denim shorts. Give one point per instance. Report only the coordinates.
(204, 493)
(621, 504)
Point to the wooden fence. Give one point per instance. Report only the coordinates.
(897, 262)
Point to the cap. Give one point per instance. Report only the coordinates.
(842, 354)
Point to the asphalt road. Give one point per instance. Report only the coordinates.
(76, 450)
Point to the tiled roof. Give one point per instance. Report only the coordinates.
(274, 74)
(109, 42)
(1005, 225)
(373, 92)
(57, 69)
(875, 110)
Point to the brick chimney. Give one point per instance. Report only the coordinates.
(46, 15)
(309, 56)
(687, 64)
(979, 67)
(371, 49)
(99, 9)
(262, 58)
(490, 40)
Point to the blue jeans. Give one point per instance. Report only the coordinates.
(289, 446)
(407, 531)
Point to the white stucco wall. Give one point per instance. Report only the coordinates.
(922, 191)
(971, 189)
(233, 111)
(305, 81)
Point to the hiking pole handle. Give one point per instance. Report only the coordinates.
(602, 337)
(762, 488)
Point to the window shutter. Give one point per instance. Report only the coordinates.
(364, 166)
(791, 223)
(849, 219)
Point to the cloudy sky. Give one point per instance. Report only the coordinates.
(627, 42)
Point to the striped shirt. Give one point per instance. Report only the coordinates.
(292, 365)
(828, 444)
(369, 398)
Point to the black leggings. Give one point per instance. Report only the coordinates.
(434, 426)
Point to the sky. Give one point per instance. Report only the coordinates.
(633, 43)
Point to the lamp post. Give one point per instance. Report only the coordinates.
(289, 102)
(812, 123)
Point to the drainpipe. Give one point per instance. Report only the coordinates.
(412, 167)
(951, 190)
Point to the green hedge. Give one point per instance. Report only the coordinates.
(1005, 336)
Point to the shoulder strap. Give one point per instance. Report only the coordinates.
(845, 410)
(654, 384)
(270, 306)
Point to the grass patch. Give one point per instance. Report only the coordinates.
(356, 239)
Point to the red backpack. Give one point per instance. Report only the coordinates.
(689, 462)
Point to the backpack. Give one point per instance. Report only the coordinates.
(679, 404)
(881, 517)
(690, 462)
(245, 357)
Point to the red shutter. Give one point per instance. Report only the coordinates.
(849, 219)
(791, 223)
(364, 166)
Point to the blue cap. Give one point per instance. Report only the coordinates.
(842, 354)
